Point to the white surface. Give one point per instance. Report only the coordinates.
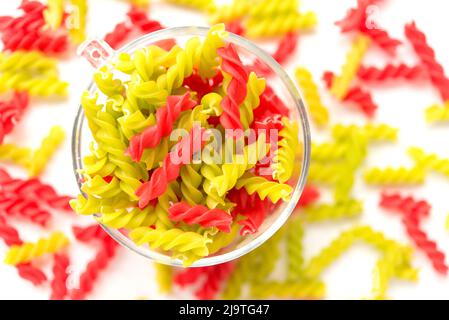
(401, 105)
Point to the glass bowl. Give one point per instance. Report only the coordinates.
(98, 52)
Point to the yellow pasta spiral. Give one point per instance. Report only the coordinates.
(174, 240)
(318, 111)
(210, 171)
(191, 181)
(123, 218)
(239, 164)
(208, 57)
(202, 5)
(54, 13)
(35, 86)
(15, 154)
(97, 163)
(372, 132)
(164, 277)
(326, 174)
(339, 210)
(329, 151)
(395, 176)
(264, 188)
(140, 3)
(78, 19)
(104, 79)
(295, 258)
(429, 160)
(437, 113)
(92, 205)
(255, 87)
(29, 251)
(222, 239)
(98, 187)
(175, 75)
(284, 158)
(280, 25)
(111, 141)
(48, 147)
(273, 8)
(31, 61)
(229, 12)
(285, 290)
(211, 103)
(342, 82)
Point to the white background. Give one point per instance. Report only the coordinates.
(401, 105)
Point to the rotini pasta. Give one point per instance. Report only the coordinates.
(349, 70)
(264, 188)
(339, 210)
(48, 147)
(318, 111)
(29, 251)
(17, 155)
(438, 113)
(284, 158)
(395, 176)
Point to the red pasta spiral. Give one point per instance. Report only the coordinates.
(169, 171)
(391, 71)
(11, 237)
(32, 18)
(139, 18)
(355, 17)
(17, 206)
(35, 190)
(361, 98)
(200, 86)
(47, 41)
(382, 39)
(165, 118)
(235, 27)
(427, 56)
(60, 275)
(89, 233)
(9, 234)
(309, 195)
(215, 277)
(413, 211)
(93, 269)
(201, 215)
(117, 36)
(270, 104)
(11, 112)
(236, 90)
(189, 276)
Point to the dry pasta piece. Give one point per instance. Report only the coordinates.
(341, 83)
(17, 155)
(264, 188)
(318, 111)
(438, 113)
(42, 155)
(29, 251)
(429, 160)
(395, 176)
(284, 158)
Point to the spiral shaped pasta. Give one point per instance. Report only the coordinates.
(201, 215)
(286, 290)
(29, 251)
(295, 258)
(104, 79)
(175, 75)
(229, 12)
(273, 8)
(326, 174)
(98, 187)
(42, 86)
(329, 151)
(191, 181)
(54, 13)
(176, 240)
(284, 158)
(279, 25)
(48, 147)
(341, 83)
(339, 210)
(202, 5)
(78, 18)
(255, 87)
(30, 61)
(231, 172)
(318, 111)
(395, 176)
(429, 160)
(208, 57)
(222, 240)
(123, 218)
(373, 133)
(437, 113)
(264, 188)
(16, 155)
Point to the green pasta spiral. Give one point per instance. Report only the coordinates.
(264, 188)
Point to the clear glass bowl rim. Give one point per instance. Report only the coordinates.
(192, 31)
